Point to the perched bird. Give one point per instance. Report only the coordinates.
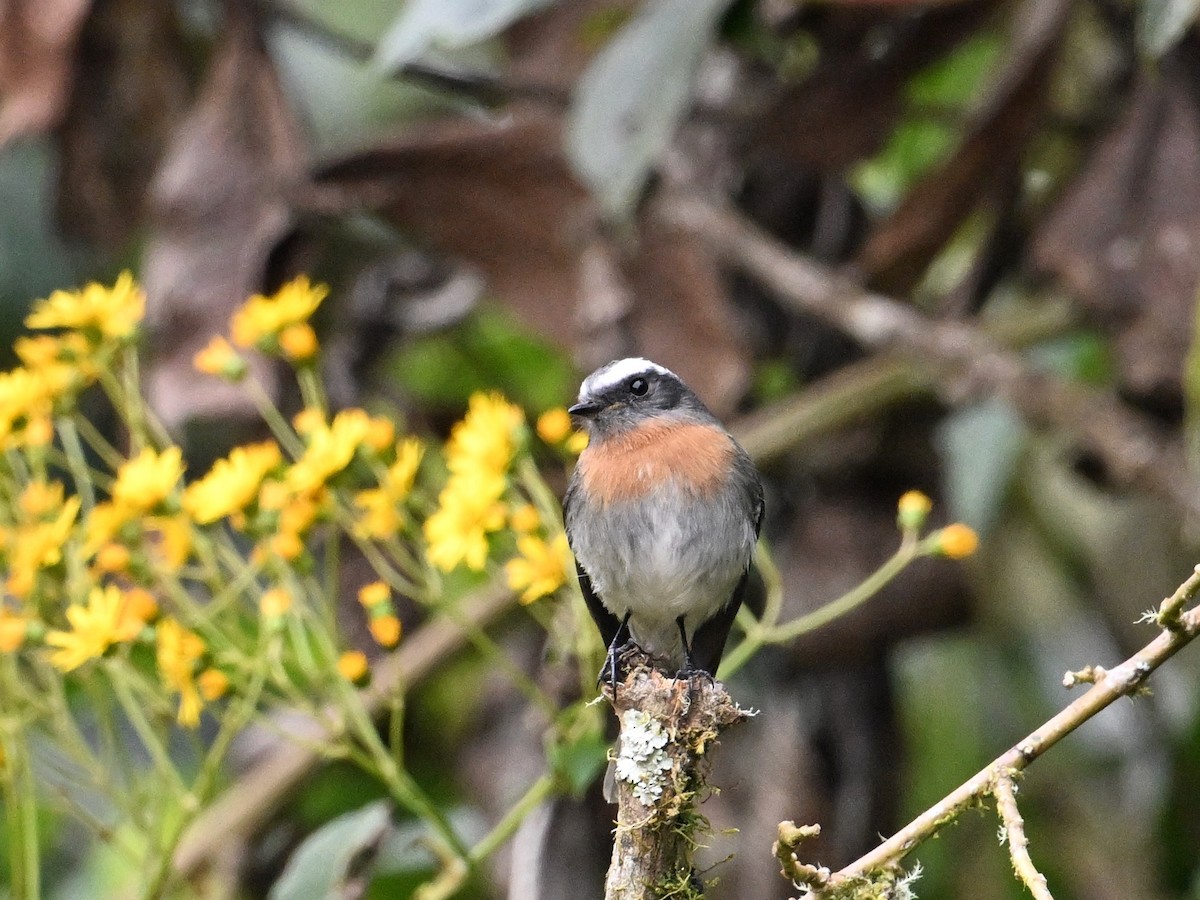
(662, 512)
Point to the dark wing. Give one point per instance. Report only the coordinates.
(708, 643)
(606, 622)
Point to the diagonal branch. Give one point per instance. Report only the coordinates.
(961, 356)
(1111, 684)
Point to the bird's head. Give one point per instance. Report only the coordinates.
(626, 392)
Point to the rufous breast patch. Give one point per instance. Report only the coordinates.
(628, 466)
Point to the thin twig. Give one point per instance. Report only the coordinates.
(1005, 792)
(1119, 681)
(962, 357)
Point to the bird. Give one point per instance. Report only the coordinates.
(662, 513)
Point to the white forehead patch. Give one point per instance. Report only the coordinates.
(614, 373)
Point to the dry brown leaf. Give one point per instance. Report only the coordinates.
(220, 206)
(500, 196)
(132, 91)
(1124, 237)
(37, 59)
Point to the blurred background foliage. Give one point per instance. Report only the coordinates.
(480, 181)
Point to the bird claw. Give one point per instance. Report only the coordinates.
(612, 671)
(691, 671)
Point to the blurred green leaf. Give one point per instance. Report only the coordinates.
(447, 24)
(980, 446)
(331, 855)
(1161, 23)
(488, 351)
(928, 133)
(1191, 395)
(579, 762)
(632, 96)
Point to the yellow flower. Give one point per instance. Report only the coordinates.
(554, 425)
(299, 342)
(576, 443)
(329, 450)
(170, 539)
(103, 524)
(37, 545)
(13, 628)
(381, 515)
(371, 595)
(148, 479)
(308, 420)
(232, 483)
(218, 358)
(524, 518)
(39, 498)
(352, 665)
(955, 541)
(113, 312)
(213, 684)
(486, 436)
(912, 510)
(469, 508)
(385, 629)
(138, 607)
(381, 432)
(113, 557)
(275, 602)
(541, 569)
(177, 651)
(26, 398)
(261, 318)
(95, 626)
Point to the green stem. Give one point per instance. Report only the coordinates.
(768, 633)
(232, 722)
(312, 391)
(507, 826)
(77, 463)
(399, 782)
(145, 731)
(19, 792)
(280, 427)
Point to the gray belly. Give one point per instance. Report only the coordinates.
(661, 565)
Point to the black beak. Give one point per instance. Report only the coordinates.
(584, 410)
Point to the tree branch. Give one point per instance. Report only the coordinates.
(962, 357)
(668, 730)
(1110, 684)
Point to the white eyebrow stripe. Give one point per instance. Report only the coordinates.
(616, 372)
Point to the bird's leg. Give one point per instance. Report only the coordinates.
(614, 648)
(689, 665)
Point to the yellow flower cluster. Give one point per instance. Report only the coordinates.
(280, 322)
(470, 506)
(381, 509)
(84, 575)
(555, 428)
(35, 538)
(541, 568)
(376, 599)
(55, 367)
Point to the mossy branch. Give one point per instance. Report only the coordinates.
(1180, 626)
(669, 728)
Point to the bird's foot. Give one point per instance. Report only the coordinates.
(614, 669)
(692, 671)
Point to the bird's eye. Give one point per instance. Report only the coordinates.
(638, 387)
